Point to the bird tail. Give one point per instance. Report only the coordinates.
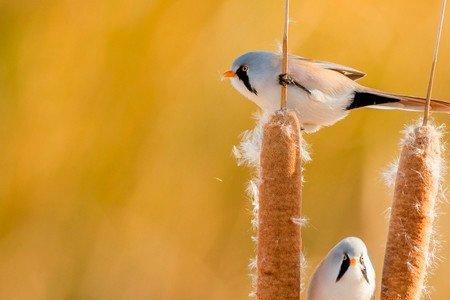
(381, 100)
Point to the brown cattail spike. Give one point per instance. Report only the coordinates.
(413, 209)
(279, 240)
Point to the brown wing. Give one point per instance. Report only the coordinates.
(351, 73)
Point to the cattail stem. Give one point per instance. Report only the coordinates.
(413, 210)
(279, 236)
(434, 62)
(285, 63)
(412, 215)
(279, 239)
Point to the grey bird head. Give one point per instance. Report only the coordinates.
(252, 69)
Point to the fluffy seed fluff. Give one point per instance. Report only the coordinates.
(438, 170)
(248, 153)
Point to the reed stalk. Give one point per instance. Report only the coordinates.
(417, 189)
(278, 233)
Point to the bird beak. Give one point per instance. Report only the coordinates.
(229, 74)
(353, 262)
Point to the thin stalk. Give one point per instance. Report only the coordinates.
(285, 64)
(434, 63)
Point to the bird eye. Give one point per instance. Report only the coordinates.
(362, 259)
(345, 257)
(245, 68)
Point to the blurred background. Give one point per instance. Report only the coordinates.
(117, 177)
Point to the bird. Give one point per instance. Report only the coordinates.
(346, 273)
(321, 93)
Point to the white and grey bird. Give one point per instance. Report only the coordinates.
(345, 274)
(321, 93)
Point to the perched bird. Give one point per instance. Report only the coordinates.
(321, 93)
(345, 274)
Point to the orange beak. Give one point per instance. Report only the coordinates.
(353, 262)
(229, 74)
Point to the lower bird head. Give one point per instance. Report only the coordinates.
(351, 261)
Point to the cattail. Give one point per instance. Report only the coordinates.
(411, 224)
(279, 240)
(278, 233)
(249, 153)
(274, 149)
(417, 189)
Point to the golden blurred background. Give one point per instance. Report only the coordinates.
(117, 176)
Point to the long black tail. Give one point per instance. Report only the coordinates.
(382, 100)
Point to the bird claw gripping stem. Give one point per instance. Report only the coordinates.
(286, 79)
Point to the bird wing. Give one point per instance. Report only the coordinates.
(312, 76)
(350, 72)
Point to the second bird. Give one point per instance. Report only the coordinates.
(345, 274)
(321, 93)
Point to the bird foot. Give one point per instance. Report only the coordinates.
(285, 79)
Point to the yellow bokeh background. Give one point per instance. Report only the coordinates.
(117, 177)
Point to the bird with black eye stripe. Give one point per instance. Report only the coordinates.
(346, 273)
(321, 93)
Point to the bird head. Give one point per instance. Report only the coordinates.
(350, 257)
(249, 71)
